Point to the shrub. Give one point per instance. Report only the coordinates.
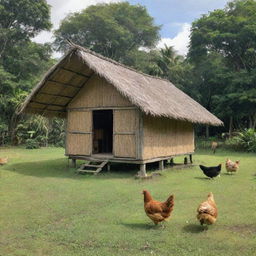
(32, 144)
(41, 140)
(244, 141)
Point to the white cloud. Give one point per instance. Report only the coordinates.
(60, 9)
(180, 41)
(43, 37)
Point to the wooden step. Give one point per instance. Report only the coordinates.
(91, 165)
(84, 167)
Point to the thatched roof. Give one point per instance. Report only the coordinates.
(154, 96)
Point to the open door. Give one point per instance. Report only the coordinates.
(126, 125)
(102, 131)
(79, 133)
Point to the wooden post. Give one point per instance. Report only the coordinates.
(143, 172)
(73, 163)
(190, 159)
(161, 165)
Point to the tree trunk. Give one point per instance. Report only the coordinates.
(230, 126)
(207, 131)
(252, 121)
(12, 128)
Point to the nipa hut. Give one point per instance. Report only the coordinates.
(115, 113)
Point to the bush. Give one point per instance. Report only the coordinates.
(32, 144)
(244, 141)
(41, 140)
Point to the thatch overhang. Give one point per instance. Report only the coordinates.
(153, 95)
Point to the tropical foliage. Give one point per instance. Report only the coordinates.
(219, 71)
(244, 141)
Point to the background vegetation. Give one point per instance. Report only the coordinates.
(219, 71)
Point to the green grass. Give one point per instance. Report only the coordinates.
(46, 209)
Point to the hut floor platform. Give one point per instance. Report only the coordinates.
(108, 158)
(111, 158)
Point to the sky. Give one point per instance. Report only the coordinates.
(175, 16)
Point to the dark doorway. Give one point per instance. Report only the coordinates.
(102, 131)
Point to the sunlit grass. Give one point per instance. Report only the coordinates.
(47, 209)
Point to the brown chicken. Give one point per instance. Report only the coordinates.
(155, 210)
(207, 211)
(232, 166)
(3, 160)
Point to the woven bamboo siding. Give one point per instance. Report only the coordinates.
(79, 133)
(98, 93)
(125, 133)
(165, 137)
(125, 146)
(79, 144)
(125, 120)
(79, 121)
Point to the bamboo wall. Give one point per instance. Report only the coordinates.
(165, 137)
(98, 93)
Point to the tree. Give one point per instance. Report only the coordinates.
(231, 34)
(21, 20)
(21, 61)
(23, 68)
(112, 30)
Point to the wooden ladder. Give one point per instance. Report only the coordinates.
(89, 167)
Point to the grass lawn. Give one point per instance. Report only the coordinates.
(46, 209)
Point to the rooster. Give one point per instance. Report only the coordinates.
(232, 166)
(155, 210)
(3, 160)
(211, 172)
(207, 211)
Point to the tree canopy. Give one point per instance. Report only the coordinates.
(21, 20)
(21, 60)
(230, 34)
(112, 29)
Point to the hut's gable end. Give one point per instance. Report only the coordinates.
(165, 137)
(97, 93)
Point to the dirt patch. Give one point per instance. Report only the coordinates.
(243, 229)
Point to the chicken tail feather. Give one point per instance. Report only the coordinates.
(170, 201)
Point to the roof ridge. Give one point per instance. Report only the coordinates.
(78, 47)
